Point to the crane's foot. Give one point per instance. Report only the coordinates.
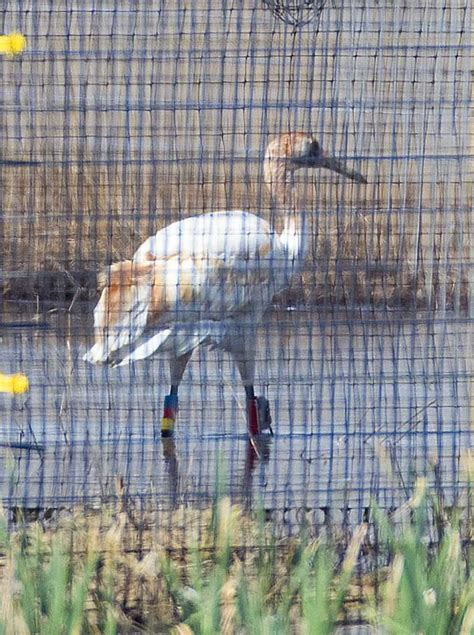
(258, 416)
(170, 411)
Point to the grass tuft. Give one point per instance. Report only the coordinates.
(86, 574)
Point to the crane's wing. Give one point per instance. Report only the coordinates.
(229, 233)
(212, 267)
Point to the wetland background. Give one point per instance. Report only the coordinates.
(118, 120)
(134, 118)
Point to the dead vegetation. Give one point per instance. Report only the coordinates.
(134, 132)
(63, 224)
(221, 569)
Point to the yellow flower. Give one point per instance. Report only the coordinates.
(12, 44)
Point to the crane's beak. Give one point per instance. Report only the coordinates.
(336, 166)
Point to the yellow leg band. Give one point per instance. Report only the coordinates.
(167, 424)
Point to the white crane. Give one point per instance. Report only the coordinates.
(209, 280)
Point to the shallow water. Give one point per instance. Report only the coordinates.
(360, 402)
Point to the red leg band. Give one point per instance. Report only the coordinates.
(252, 416)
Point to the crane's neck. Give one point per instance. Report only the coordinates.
(285, 203)
(294, 236)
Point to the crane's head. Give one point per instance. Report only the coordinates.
(294, 150)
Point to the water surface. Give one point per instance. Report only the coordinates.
(361, 403)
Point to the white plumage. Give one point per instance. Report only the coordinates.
(213, 273)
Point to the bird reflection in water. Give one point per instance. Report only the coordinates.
(257, 455)
(172, 466)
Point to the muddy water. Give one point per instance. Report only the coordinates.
(360, 403)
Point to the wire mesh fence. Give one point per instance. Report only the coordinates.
(117, 121)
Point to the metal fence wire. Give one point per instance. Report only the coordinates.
(339, 145)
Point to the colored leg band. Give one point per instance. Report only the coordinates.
(252, 416)
(170, 410)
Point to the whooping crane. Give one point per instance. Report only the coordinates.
(208, 280)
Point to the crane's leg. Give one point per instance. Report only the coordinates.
(170, 409)
(243, 351)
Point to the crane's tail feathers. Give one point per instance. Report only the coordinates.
(178, 341)
(95, 355)
(121, 334)
(121, 314)
(152, 345)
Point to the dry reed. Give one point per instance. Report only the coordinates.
(78, 220)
